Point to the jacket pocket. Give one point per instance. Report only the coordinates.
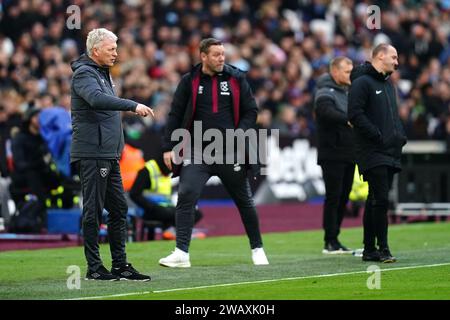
(392, 145)
(389, 141)
(88, 134)
(108, 137)
(402, 140)
(394, 141)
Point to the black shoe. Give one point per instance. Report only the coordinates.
(373, 255)
(344, 248)
(127, 272)
(386, 256)
(101, 274)
(335, 247)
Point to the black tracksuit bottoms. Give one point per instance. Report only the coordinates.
(375, 219)
(338, 178)
(167, 215)
(101, 187)
(193, 178)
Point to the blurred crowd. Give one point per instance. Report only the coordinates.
(284, 46)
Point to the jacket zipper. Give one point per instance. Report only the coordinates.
(391, 111)
(109, 80)
(215, 102)
(118, 145)
(99, 135)
(392, 116)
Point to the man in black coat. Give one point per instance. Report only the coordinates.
(335, 148)
(379, 140)
(97, 146)
(32, 168)
(212, 96)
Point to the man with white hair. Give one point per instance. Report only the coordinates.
(96, 148)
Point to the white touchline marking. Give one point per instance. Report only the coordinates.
(257, 281)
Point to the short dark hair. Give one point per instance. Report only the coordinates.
(206, 43)
(382, 47)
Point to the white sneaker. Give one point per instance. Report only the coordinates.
(177, 259)
(259, 257)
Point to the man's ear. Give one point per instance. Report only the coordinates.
(95, 52)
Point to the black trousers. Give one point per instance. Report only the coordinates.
(167, 215)
(375, 219)
(338, 178)
(193, 178)
(101, 187)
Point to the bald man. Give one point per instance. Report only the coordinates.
(379, 138)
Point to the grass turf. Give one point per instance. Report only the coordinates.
(41, 274)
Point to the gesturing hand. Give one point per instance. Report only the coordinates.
(143, 110)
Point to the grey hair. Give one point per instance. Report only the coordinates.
(96, 36)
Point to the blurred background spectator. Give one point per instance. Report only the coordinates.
(284, 45)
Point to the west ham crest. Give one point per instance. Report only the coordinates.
(103, 172)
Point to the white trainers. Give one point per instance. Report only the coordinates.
(177, 259)
(259, 257)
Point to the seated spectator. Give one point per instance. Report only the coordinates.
(152, 191)
(32, 173)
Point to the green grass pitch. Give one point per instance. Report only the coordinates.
(222, 269)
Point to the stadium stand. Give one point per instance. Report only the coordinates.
(284, 46)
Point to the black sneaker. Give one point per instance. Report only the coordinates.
(127, 272)
(344, 249)
(371, 255)
(386, 256)
(335, 247)
(101, 274)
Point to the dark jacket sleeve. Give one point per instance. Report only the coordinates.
(327, 112)
(86, 86)
(21, 162)
(249, 109)
(177, 111)
(247, 120)
(18, 152)
(141, 183)
(357, 103)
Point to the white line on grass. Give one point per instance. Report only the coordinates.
(257, 281)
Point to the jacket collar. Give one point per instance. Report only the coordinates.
(227, 69)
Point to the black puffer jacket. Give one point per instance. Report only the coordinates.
(335, 137)
(96, 117)
(379, 134)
